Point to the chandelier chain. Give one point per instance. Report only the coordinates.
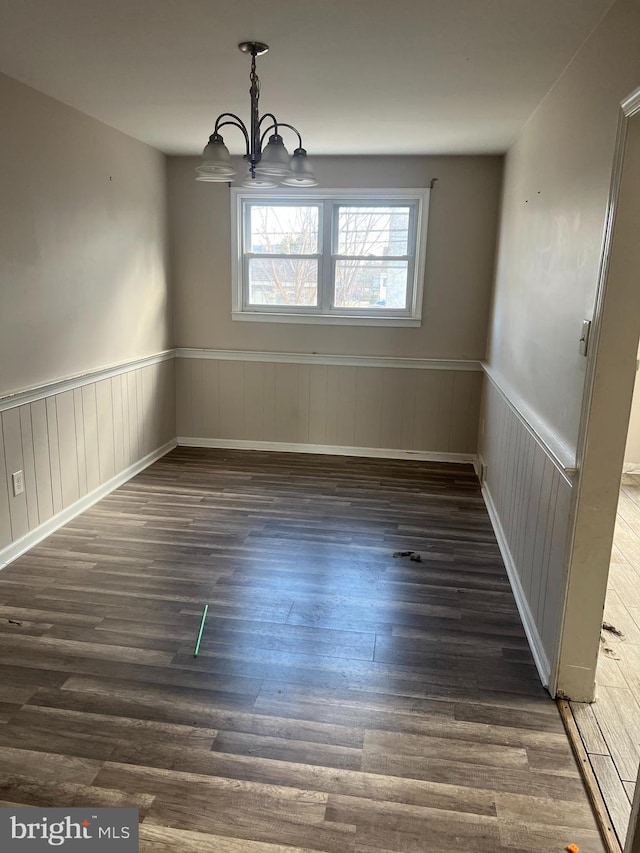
(254, 90)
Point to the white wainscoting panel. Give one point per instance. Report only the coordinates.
(73, 442)
(330, 405)
(528, 495)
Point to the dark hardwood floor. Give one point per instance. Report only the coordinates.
(343, 700)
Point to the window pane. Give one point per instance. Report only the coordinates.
(373, 230)
(284, 229)
(371, 284)
(283, 281)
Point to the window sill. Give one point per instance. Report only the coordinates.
(324, 319)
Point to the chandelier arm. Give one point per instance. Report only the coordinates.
(276, 126)
(273, 119)
(230, 115)
(237, 123)
(295, 130)
(262, 138)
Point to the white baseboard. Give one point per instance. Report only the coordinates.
(20, 546)
(479, 466)
(631, 468)
(328, 449)
(535, 641)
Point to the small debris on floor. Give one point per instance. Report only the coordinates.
(607, 650)
(573, 848)
(412, 555)
(416, 557)
(13, 622)
(402, 553)
(610, 653)
(607, 626)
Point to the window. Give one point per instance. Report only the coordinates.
(329, 256)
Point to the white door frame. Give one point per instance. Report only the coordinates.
(615, 330)
(632, 844)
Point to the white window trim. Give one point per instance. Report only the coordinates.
(413, 317)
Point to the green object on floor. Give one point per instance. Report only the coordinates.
(204, 616)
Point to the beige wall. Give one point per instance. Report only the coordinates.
(459, 271)
(354, 406)
(401, 408)
(632, 450)
(83, 279)
(555, 200)
(83, 285)
(556, 189)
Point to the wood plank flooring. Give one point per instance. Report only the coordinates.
(610, 727)
(344, 701)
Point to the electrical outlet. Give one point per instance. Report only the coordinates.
(18, 483)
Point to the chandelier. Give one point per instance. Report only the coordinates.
(268, 165)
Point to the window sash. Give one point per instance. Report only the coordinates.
(412, 235)
(248, 204)
(295, 307)
(412, 238)
(381, 311)
(246, 207)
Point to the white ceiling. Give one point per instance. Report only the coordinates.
(355, 76)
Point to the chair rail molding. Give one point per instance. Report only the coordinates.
(77, 380)
(559, 454)
(472, 365)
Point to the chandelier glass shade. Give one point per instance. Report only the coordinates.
(269, 164)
